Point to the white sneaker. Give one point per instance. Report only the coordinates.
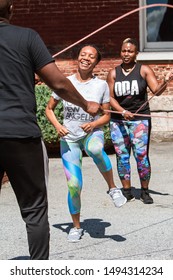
(75, 234)
(117, 196)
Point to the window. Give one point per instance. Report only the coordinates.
(156, 28)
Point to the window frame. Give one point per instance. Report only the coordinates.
(151, 50)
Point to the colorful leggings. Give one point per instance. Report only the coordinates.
(71, 153)
(136, 135)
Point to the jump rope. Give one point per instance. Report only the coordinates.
(105, 26)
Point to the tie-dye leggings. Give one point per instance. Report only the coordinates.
(71, 153)
(135, 135)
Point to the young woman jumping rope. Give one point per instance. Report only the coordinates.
(80, 131)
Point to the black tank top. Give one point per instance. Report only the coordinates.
(131, 92)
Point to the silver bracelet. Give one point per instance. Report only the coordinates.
(123, 112)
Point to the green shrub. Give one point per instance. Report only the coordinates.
(107, 136)
(49, 133)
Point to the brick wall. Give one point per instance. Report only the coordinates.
(61, 23)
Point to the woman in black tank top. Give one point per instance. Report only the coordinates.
(128, 85)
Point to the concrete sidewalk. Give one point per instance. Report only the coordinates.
(132, 232)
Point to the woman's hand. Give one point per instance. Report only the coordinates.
(87, 127)
(62, 131)
(127, 115)
(169, 76)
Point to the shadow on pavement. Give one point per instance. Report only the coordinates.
(94, 227)
(137, 192)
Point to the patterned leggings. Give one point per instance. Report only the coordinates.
(136, 135)
(71, 153)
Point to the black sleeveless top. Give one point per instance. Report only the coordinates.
(131, 92)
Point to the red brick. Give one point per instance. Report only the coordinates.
(61, 23)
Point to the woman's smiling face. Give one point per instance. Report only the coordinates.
(88, 58)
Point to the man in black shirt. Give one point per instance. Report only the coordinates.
(22, 152)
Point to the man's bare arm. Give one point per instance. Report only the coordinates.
(53, 77)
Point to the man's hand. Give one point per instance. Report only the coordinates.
(93, 108)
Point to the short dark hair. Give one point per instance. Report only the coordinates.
(4, 6)
(99, 55)
(131, 41)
